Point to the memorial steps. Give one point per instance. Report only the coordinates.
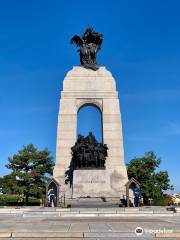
(87, 212)
(94, 203)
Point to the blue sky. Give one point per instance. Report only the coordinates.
(141, 48)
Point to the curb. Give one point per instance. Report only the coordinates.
(85, 235)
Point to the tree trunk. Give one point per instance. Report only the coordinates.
(145, 200)
(27, 197)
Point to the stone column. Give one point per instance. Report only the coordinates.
(112, 136)
(81, 87)
(66, 137)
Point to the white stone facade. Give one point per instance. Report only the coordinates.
(80, 87)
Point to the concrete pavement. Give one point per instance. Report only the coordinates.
(48, 226)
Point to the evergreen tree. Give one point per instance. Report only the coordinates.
(8, 184)
(31, 168)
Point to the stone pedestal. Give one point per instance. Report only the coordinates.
(81, 87)
(90, 183)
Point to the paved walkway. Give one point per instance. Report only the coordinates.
(87, 228)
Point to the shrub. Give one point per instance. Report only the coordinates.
(14, 200)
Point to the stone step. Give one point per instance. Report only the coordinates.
(75, 211)
(177, 209)
(85, 212)
(93, 203)
(90, 215)
(85, 235)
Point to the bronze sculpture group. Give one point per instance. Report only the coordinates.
(87, 153)
(88, 45)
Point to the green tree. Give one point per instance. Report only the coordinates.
(8, 184)
(152, 183)
(31, 168)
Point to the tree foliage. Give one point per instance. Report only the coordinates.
(30, 168)
(8, 183)
(144, 170)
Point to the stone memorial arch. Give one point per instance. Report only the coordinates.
(90, 84)
(83, 86)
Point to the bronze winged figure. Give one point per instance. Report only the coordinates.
(88, 46)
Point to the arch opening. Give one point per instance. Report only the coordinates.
(89, 119)
(52, 193)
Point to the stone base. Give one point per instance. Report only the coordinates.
(96, 184)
